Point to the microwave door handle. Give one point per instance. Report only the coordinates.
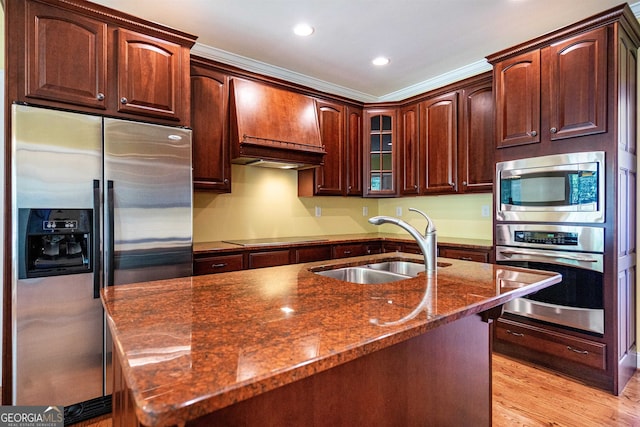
(554, 255)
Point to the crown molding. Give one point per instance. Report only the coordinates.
(278, 72)
(251, 65)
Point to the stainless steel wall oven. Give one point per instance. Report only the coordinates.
(577, 252)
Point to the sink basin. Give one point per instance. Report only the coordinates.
(380, 272)
(411, 269)
(362, 275)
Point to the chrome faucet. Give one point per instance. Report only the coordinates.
(427, 243)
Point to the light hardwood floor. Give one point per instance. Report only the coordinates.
(527, 396)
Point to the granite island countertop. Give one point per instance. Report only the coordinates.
(190, 346)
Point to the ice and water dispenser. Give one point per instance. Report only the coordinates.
(55, 242)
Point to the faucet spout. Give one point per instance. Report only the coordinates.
(426, 243)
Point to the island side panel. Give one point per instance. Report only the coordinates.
(440, 378)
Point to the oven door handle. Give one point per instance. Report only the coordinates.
(580, 258)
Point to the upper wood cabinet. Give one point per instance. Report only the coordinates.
(210, 124)
(380, 166)
(476, 135)
(554, 92)
(150, 72)
(341, 135)
(354, 157)
(409, 151)
(439, 137)
(85, 57)
(51, 35)
(329, 178)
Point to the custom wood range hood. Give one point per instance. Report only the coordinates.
(271, 127)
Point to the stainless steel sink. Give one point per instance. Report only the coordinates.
(380, 272)
(407, 268)
(362, 275)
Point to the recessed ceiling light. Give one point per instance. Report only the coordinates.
(303, 30)
(381, 60)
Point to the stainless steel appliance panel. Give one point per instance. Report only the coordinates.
(554, 210)
(577, 253)
(148, 202)
(56, 321)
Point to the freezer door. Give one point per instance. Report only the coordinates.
(57, 324)
(148, 202)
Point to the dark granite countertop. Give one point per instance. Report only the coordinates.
(200, 248)
(190, 346)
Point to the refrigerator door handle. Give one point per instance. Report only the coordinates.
(109, 237)
(96, 238)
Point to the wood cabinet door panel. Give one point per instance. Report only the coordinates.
(148, 75)
(209, 121)
(409, 152)
(313, 253)
(577, 79)
(438, 127)
(476, 144)
(51, 35)
(517, 91)
(269, 258)
(354, 152)
(329, 179)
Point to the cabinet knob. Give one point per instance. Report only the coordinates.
(451, 184)
(553, 130)
(100, 96)
(349, 188)
(533, 133)
(226, 180)
(464, 183)
(123, 100)
(415, 186)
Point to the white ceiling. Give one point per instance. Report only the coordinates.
(430, 42)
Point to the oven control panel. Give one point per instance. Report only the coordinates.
(556, 238)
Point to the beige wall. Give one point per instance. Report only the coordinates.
(265, 203)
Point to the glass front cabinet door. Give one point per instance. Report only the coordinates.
(380, 149)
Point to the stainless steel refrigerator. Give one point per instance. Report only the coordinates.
(95, 202)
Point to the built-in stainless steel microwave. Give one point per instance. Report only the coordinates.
(557, 188)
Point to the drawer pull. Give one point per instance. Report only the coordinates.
(575, 350)
(515, 334)
(466, 258)
(347, 252)
(223, 264)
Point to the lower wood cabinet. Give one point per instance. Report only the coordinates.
(356, 249)
(548, 344)
(478, 255)
(312, 253)
(240, 259)
(217, 264)
(269, 258)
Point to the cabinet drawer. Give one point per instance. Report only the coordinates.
(218, 264)
(464, 254)
(345, 251)
(268, 258)
(315, 253)
(575, 349)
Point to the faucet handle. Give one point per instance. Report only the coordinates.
(431, 227)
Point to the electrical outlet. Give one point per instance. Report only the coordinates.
(485, 211)
(318, 211)
(365, 210)
(399, 211)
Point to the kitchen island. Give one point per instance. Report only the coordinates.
(286, 346)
